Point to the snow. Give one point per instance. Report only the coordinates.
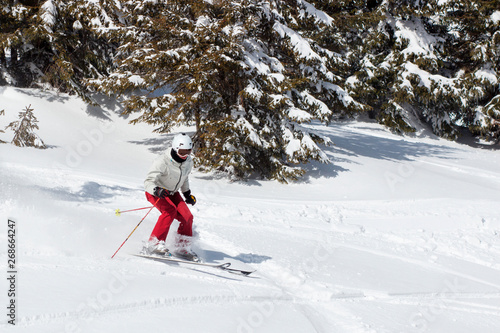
(487, 74)
(320, 16)
(323, 108)
(253, 91)
(300, 44)
(495, 17)
(250, 130)
(341, 93)
(203, 21)
(77, 25)
(419, 41)
(257, 59)
(49, 13)
(397, 234)
(298, 114)
(426, 79)
(252, 61)
(136, 80)
(294, 145)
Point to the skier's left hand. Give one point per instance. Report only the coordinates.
(189, 198)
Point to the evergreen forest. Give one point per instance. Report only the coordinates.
(250, 75)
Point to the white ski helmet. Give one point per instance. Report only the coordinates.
(182, 141)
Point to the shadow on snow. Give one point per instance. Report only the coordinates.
(90, 191)
(349, 144)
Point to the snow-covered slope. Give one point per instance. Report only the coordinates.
(397, 235)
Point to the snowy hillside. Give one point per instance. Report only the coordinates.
(399, 234)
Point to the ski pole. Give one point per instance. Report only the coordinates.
(118, 212)
(134, 229)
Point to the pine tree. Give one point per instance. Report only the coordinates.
(450, 81)
(24, 130)
(239, 73)
(55, 42)
(248, 74)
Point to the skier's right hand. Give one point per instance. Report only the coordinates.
(160, 192)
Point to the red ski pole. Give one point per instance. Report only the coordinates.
(134, 229)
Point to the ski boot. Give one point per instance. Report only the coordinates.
(158, 249)
(186, 254)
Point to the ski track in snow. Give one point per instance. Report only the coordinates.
(155, 303)
(299, 289)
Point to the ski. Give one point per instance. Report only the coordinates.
(225, 266)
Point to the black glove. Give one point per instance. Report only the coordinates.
(160, 192)
(189, 198)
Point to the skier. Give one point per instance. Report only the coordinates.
(169, 174)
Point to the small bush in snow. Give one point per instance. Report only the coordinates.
(24, 130)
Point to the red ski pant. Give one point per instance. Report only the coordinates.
(171, 207)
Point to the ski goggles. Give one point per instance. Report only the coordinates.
(184, 153)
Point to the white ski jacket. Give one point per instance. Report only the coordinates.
(169, 174)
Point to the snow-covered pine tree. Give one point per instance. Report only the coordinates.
(439, 65)
(239, 72)
(24, 130)
(54, 41)
(360, 40)
(250, 74)
(474, 48)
